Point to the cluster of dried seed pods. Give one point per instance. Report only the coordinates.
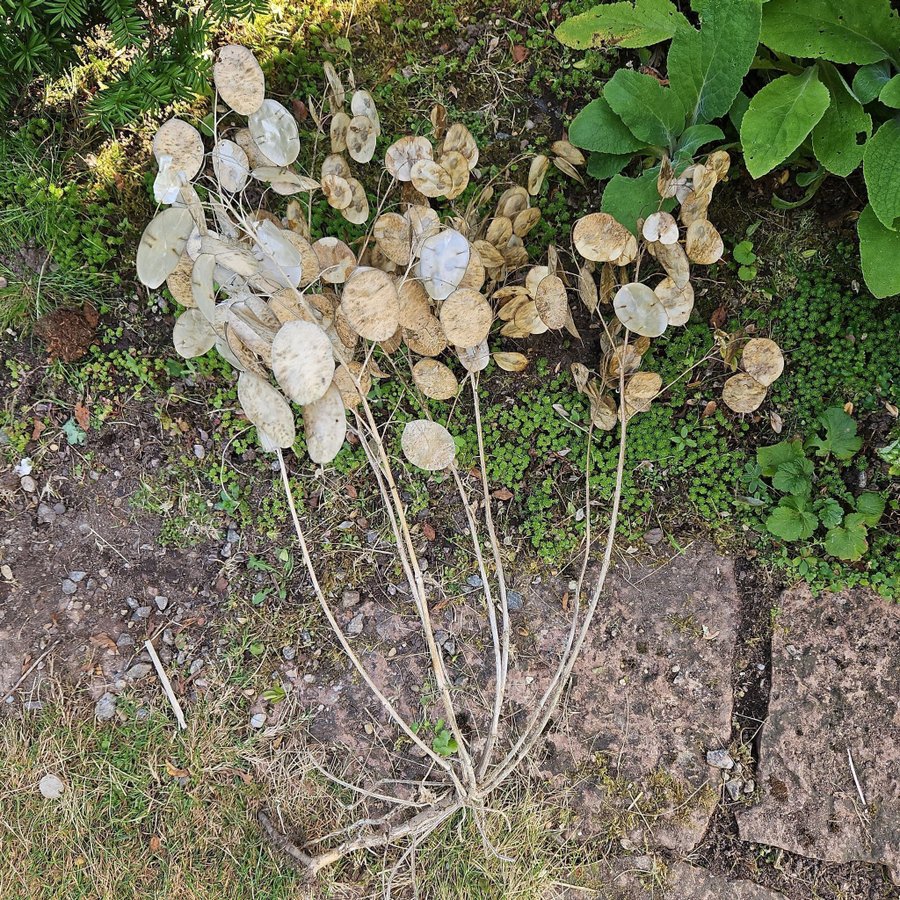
(642, 309)
(763, 363)
(307, 313)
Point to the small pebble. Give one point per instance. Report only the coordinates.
(288, 653)
(105, 708)
(138, 671)
(77, 576)
(69, 587)
(514, 601)
(161, 602)
(51, 787)
(143, 612)
(28, 484)
(734, 786)
(720, 759)
(355, 626)
(475, 581)
(258, 720)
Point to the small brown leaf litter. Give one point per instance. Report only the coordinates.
(68, 333)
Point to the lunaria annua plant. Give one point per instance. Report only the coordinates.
(300, 320)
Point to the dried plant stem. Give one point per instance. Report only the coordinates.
(345, 644)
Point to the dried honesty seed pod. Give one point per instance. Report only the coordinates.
(267, 410)
(193, 335)
(435, 380)
(393, 234)
(274, 131)
(162, 245)
(511, 362)
(587, 288)
(703, 244)
(567, 168)
(370, 304)
(302, 361)
(340, 123)
(362, 136)
(568, 152)
(239, 79)
(742, 393)
(428, 339)
(358, 210)
(599, 237)
(179, 146)
(443, 260)
(679, 302)
(660, 226)
(231, 166)
(640, 391)
(459, 139)
(354, 383)
(363, 104)
(403, 154)
(551, 302)
(474, 359)
(640, 310)
(428, 445)
(336, 259)
(466, 317)
(325, 426)
(430, 178)
(337, 191)
(763, 360)
(536, 174)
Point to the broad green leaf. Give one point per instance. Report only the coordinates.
(743, 253)
(794, 477)
(693, 138)
(890, 453)
(840, 436)
(779, 118)
(738, 108)
(871, 507)
(770, 458)
(604, 165)
(830, 512)
(630, 25)
(793, 519)
(879, 250)
(598, 128)
(652, 113)
(869, 81)
(835, 139)
(845, 542)
(630, 199)
(881, 169)
(890, 93)
(706, 67)
(844, 31)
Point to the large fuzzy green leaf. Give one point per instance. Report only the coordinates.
(869, 81)
(604, 165)
(836, 139)
(844, 31)
(706, 67)
(652, 112)
(629, 199)
(847, 542)
(779, 119)
(881, 168)
(631, 25)
(890, 93)
(598, 128)
(879, 250)
(693, 138)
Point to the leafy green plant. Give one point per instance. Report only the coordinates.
(742, 253)
(834, 106)
(800, 512)
(165, 45)
(641, 115)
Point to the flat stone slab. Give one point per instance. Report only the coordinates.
(835, 687)
(686, 882)
(651, 694)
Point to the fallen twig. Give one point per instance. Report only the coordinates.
(166, 685)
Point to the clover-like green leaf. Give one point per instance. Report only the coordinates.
(840, 436)
(870, 506)
(793, 519)
(847, 542)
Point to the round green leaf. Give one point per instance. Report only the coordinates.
(871, 507)
(792, 519)
(847, 543)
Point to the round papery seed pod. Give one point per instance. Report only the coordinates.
(345, 380)
(337, 191)
(393, 234)
(443, 260)
(325, 426)
(536, 274)
(363, 104)
(415, 304)
(336, 260)
(511, 362)
(536, 173)
(512, 201)
(640, 310)
(551, 302)
(302, 361)
(180, 146)
(162, 245)
(763, 360)
(193, 335)
(335, 164)
(357, 213)
(673, 259)
(599, 237)
(428, 339)
(267, 410)
(703, 244)
(640, 391)
(660, 226)
(340, 122)
(679, 302)
(428, 445)
(274, 131)
(475, 273)
(466, 316)
(460, 140)
(474, 359)
(371, 305)
(362, 136)
(434, 379)
(456, 166)
(179, 281)
(231, 165)
(742, 393)
(430, 178)
(402, 155)
(239, 79)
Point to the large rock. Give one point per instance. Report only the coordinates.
(835, 688)
(686, 882)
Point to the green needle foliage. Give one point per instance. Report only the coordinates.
(165, 45)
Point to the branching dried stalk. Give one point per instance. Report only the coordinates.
(272, 303)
